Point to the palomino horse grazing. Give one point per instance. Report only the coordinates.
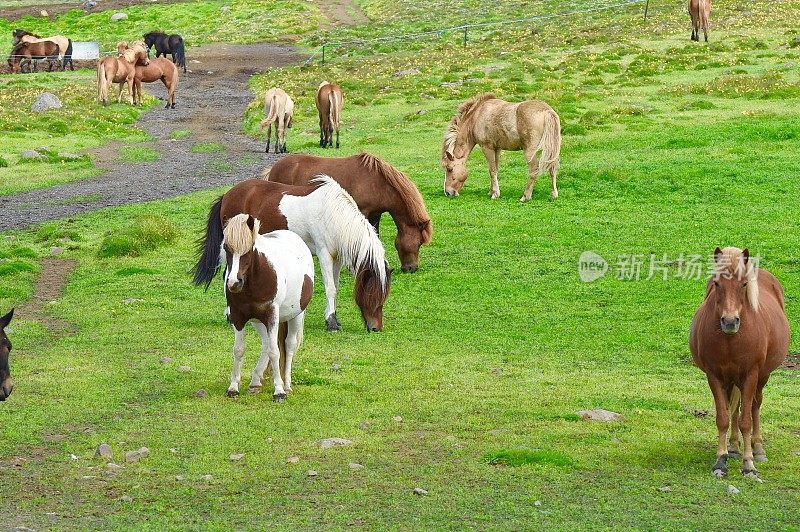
(738, 336)
(64, 45)
(328, 221)
(330, 101)
(279, 108)
(376, 186)
(700, 11)
(167, 44)
(496, 125)
(116, 70)
(162, 69)
(269, 280)
(32, 52)
(6, 384)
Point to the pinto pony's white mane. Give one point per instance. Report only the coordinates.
(238, 236)
(731, 264)
(358, 243)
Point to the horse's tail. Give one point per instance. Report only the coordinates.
(67, 56)
(209, 247)
(102, 84)
(550, 143)
(333, 101)
(272, 113)
(180, 55)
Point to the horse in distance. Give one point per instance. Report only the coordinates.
(30, 53)
(376, 186)
(6, 384)
(699, 12)
(330, 101)
(167, 44)
(279, 109)
(269, 281)
(496, 125)
(64, 45)
(738, 336)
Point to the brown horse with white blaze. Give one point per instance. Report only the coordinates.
(738, 336)
(495, 125)
(330, 101)
(699, 11)
(377, 187)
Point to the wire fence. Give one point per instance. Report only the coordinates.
(464, 29)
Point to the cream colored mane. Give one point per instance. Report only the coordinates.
(453, 128)
(731, 264)
(238, 237)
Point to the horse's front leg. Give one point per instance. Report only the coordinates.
(238, 360)
(330, 279)
(746, 424)
(720, 467)
(759, 454)
(492, 156)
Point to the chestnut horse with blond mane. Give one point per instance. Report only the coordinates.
(330, 101)
(376, 186)
(738, 336)
(279, 108)
(120, 70)
(495, 125)
(699, 11)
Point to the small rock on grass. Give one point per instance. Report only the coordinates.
(165, 360)
(664, 489)
(207, 478)
(126, 498)
(327, 443)
(355, 467)
(56, 250)
(420, 491)
(184, 369)
(114, 468)
(733, 490)
(364, 425)
(397, 419)
(134, 456)
(103, 451)
(537, 503)
(180, 478)
(236, 457)
(201, 394)
(598, 414)
(293, 459)
(336, 367)
(312, 473)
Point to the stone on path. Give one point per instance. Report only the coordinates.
(598, 414)
(46, 101)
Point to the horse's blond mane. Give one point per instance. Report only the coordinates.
(238, 237)
(408, 191)
(453, 128)
(730, 263)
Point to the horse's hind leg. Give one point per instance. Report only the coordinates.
(238, 360)
(533, 173)
(294, 338)
(269, 137)
(759, 454)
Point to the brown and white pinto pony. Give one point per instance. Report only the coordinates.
(377, 187)
(330, 101)
(738, 336)
(6, 384)
(120, 70)
(699, 11)
(279, 108)
(325, 216)
(495, 125)
(269, 280)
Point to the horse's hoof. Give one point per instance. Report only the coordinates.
(232, 393)
(760, 457)
(734, 455)
(523, 199)
(494, 195)
(719, 473)
(333, 327)
(279, 397)
(750, 473)
(253, 390)
(554, 195)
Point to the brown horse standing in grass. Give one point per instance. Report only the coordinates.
(496, 125)
(32, 52)
(738, 336)
(64, 45)
(700, 11)
(330, 101)
(376, 186)
(6, 384)
(116, 70)
(162, 69)
(279, 108)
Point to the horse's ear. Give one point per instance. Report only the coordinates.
(717, 254)
(5, 320)
(746, 255)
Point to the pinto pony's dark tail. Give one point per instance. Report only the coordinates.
(67, 57)
(180, 55)
(209, 247)
(283, 332)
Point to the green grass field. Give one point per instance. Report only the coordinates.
(670, 148)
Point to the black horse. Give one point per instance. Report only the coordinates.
(167, 44)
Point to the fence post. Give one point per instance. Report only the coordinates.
(646, 7)
(323, 54)
(465, 36)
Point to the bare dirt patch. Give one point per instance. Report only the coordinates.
(49, 287)
(54, 10)
(342, 13)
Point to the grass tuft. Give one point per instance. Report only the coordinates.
(147, 232)
(523, 457)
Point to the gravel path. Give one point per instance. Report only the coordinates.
(211, 101)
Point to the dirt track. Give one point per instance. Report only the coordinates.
(211, 101)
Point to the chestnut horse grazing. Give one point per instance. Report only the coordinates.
(269, 280)
(329, 222)
(279, 108)
(330, 101)
(376, 186)
(738, 336)
(495, 125)
(32, 52)
(699, 10)
(6, 384)
(120, 70)
(157, 69)
(64, 45)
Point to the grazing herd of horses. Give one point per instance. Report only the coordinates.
(262, 234)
